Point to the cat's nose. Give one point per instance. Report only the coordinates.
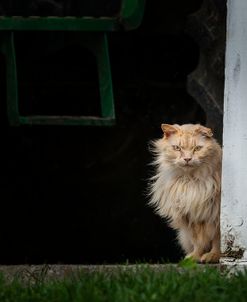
(187, 159)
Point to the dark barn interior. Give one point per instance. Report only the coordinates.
(78, 194)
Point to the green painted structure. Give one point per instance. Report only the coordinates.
(93, 37)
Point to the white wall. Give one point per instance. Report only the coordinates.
(234, 182)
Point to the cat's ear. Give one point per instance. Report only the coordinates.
(168, 129)
(204, 131)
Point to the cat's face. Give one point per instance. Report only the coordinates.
(187, 146)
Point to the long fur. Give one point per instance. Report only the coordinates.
(188, 196)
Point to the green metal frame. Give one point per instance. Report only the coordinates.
(99, 47)
(129, 18)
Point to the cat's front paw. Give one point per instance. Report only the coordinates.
(210, 257)
(194, 256)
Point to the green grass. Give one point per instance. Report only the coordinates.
(141, 285)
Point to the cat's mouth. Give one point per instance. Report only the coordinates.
(187, 165)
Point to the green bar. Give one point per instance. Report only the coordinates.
(98, 45)
(8, 48)
(66, 120)
(59, 23)
(132, 13)
(105, 80)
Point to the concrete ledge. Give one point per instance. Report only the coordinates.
(46, 272)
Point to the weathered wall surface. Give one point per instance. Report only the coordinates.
(234, 183)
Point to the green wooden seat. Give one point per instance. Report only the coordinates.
(93, 36)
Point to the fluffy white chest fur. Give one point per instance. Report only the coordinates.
(190, 197)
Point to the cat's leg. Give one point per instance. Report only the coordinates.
(213, 255)
(196, 254)
(188, 243)
(199, 241)
(184, 240)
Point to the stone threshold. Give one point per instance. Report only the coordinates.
(45, 272)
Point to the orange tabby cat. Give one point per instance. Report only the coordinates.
(186, 188)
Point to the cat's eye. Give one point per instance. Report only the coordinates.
(197, 148)
(176, 148)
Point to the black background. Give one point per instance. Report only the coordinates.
(79, 194)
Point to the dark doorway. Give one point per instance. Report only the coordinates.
(79, 194)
